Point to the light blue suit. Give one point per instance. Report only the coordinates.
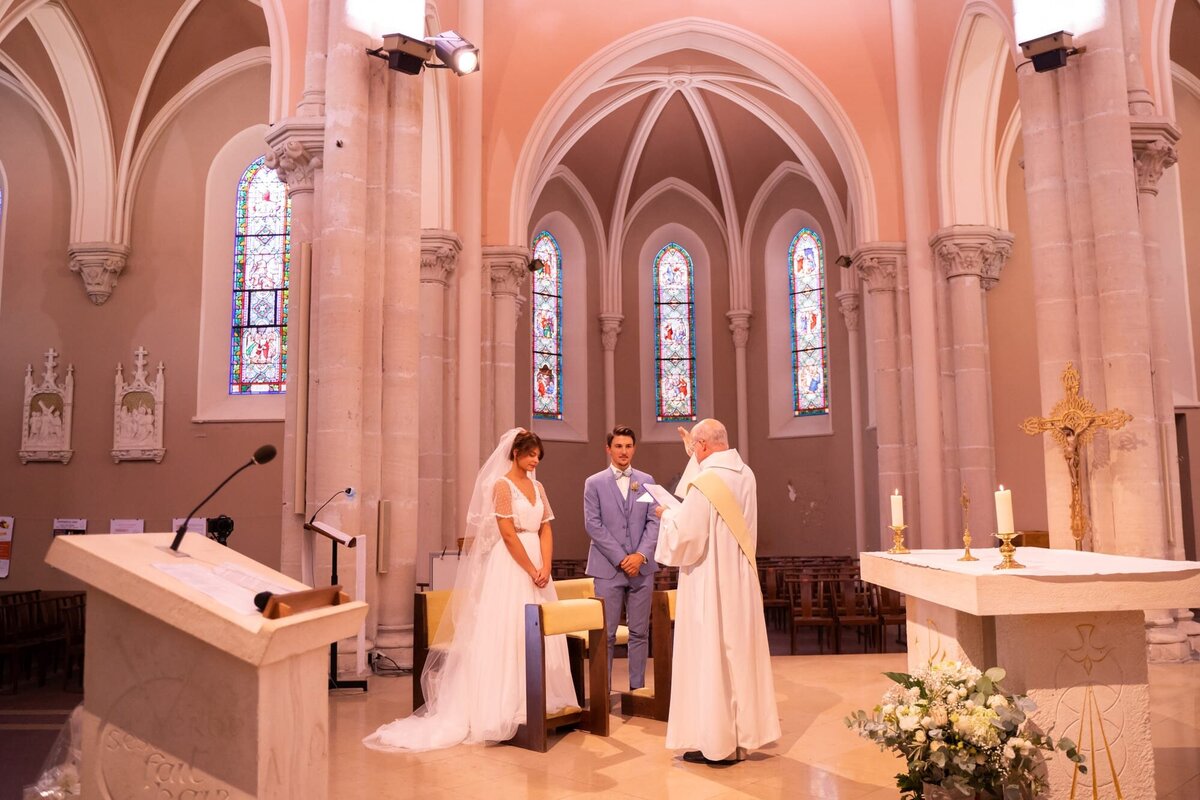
(619, 527)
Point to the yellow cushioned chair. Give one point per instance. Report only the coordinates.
(553, 619)
(585, 589)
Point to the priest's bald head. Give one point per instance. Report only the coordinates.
(708, 436)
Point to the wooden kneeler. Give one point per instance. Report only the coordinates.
(656, 704)
(428, 610)
(552, 619)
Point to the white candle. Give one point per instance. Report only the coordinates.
(897, 509)
(1004, 518)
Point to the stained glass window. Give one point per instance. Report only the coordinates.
(261, 260)
(674, 335)
(547, 329)
(806, 282)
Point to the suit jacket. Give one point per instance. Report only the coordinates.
(618, 526)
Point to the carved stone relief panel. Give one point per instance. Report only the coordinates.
(46, 414)
(138, 414)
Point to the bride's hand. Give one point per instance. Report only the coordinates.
(686, 436)
(541, 577)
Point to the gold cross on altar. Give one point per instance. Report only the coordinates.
(1073, 422)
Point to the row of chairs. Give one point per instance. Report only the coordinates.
(43, 633)
(834, 605)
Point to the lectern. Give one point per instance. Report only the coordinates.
(186, 696)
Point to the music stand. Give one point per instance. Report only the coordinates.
(336, 538)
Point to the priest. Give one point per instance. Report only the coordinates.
(722, 692)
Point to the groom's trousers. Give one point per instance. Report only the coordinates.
(634, 594)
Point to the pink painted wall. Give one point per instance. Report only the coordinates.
(155, 304)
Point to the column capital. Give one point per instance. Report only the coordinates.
(98, 264)
(850, 304)
(507, 266)
(978, 251)
(610, 329)
(878, 264)
(1154, 140)
(295, 148)
(739, 326)
(439, 254)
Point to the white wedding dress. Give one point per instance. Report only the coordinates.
(476, 693)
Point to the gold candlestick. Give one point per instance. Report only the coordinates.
(898, 547)
(965, 501)
(1006, 552)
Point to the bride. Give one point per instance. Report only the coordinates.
(475, 687)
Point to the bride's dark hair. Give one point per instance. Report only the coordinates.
(525, 443)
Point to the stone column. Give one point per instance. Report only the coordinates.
(1125, 336)
(312, 100)
(439, 256)
(1153, 151)
(920, 276)
(402, 427)
(739, 326)
(877, 265)
(849, 303)
(610, 330)
(98, 264)
(468, 216)
(971, 257)
(1050, 237)
(295, 148)
(338, 288)
(508, 268)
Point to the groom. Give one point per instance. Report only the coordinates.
(621, 558)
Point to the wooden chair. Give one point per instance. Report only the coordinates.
(853, 608)
(808, 608)
(891, 612)
(554, 619)
(429, 608)
(74, 613)
(657, 704)
(1033, 539)
(775, 601)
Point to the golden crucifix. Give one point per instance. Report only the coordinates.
(1072, 422)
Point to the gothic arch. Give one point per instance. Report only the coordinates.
(537, 158)
(967, 154)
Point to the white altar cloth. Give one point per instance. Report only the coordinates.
(1041, 561)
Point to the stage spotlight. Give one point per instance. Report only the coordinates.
(455, 52)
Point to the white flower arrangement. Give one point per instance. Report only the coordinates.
(957, 729)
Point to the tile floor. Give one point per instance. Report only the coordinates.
(816, 758)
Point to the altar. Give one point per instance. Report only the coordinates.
(1070, 631)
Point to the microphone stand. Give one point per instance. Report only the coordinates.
(334, 683)
(182, 529)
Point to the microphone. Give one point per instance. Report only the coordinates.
(348, 491)
(260, 600)
(261, 456)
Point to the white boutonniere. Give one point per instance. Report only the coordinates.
(634, 486)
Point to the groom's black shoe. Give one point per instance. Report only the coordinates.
(696, 757)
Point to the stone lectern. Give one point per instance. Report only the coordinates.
(186, 696)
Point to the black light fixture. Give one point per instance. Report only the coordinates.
(410, 54)
(843, 261)
(1050, 51)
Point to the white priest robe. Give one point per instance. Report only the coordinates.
(722, 692)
